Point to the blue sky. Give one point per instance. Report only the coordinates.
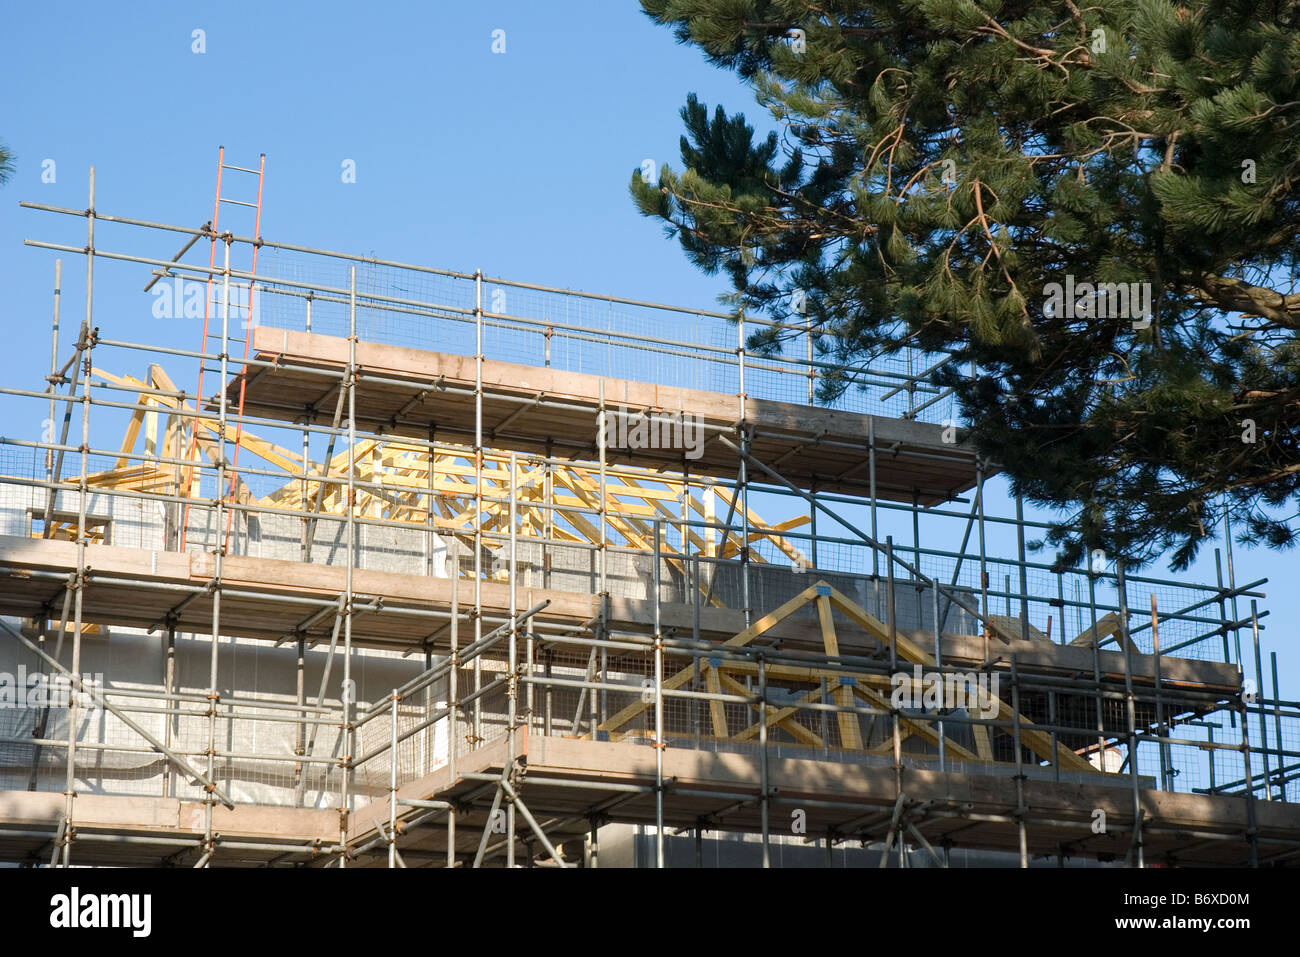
(515, 163)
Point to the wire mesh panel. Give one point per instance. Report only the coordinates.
(577, 332)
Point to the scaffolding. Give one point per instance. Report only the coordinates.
(493, 575)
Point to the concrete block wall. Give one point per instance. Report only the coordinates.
(130, 660)
(771, 586)
(126, 660)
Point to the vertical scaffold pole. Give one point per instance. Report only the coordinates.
(812, 374)
(871, 473)
(1096, 668)
(300, 735)
(1259, 695)
(39, 729)
(512, 679)
(304, 550)
(477, 715)
(1277, 713)
(938, 663)
(812, 490)
(1232, 582)
(691, 575)
(916, 548)
(453, 692)
(393, 699)
(547, 548)
(602, 444)
(1020, 563)
(893, 665)
(1060, 604)
(349, 686)
(1166, 772)
(707, 495)
(173, 705)
(85, 344)
(1223, 609)
(984, 569)
(219, 555)
(428, 753)
(683, 526)
(1121, 588)
(1020, 768)
(431, 540)
(548, 527)
(764, 776)
(659, 705)
(743, 492)
(1252, 838)
(53, 377)
(812, 524)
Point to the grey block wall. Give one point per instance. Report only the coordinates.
(123, 660)
(770, 586)
(129, 660)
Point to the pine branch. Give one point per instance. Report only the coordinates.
(1233, 295)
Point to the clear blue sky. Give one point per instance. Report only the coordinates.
(516, 164)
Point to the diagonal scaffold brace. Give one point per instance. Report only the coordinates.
(181, 764)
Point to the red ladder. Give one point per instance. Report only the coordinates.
(248, 325)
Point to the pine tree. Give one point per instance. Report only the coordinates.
(941, 163)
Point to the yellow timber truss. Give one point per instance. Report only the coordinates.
(846, 689)
(403, 483)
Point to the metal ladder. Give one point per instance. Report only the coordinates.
(209, 302)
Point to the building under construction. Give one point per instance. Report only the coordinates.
(395, 565)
